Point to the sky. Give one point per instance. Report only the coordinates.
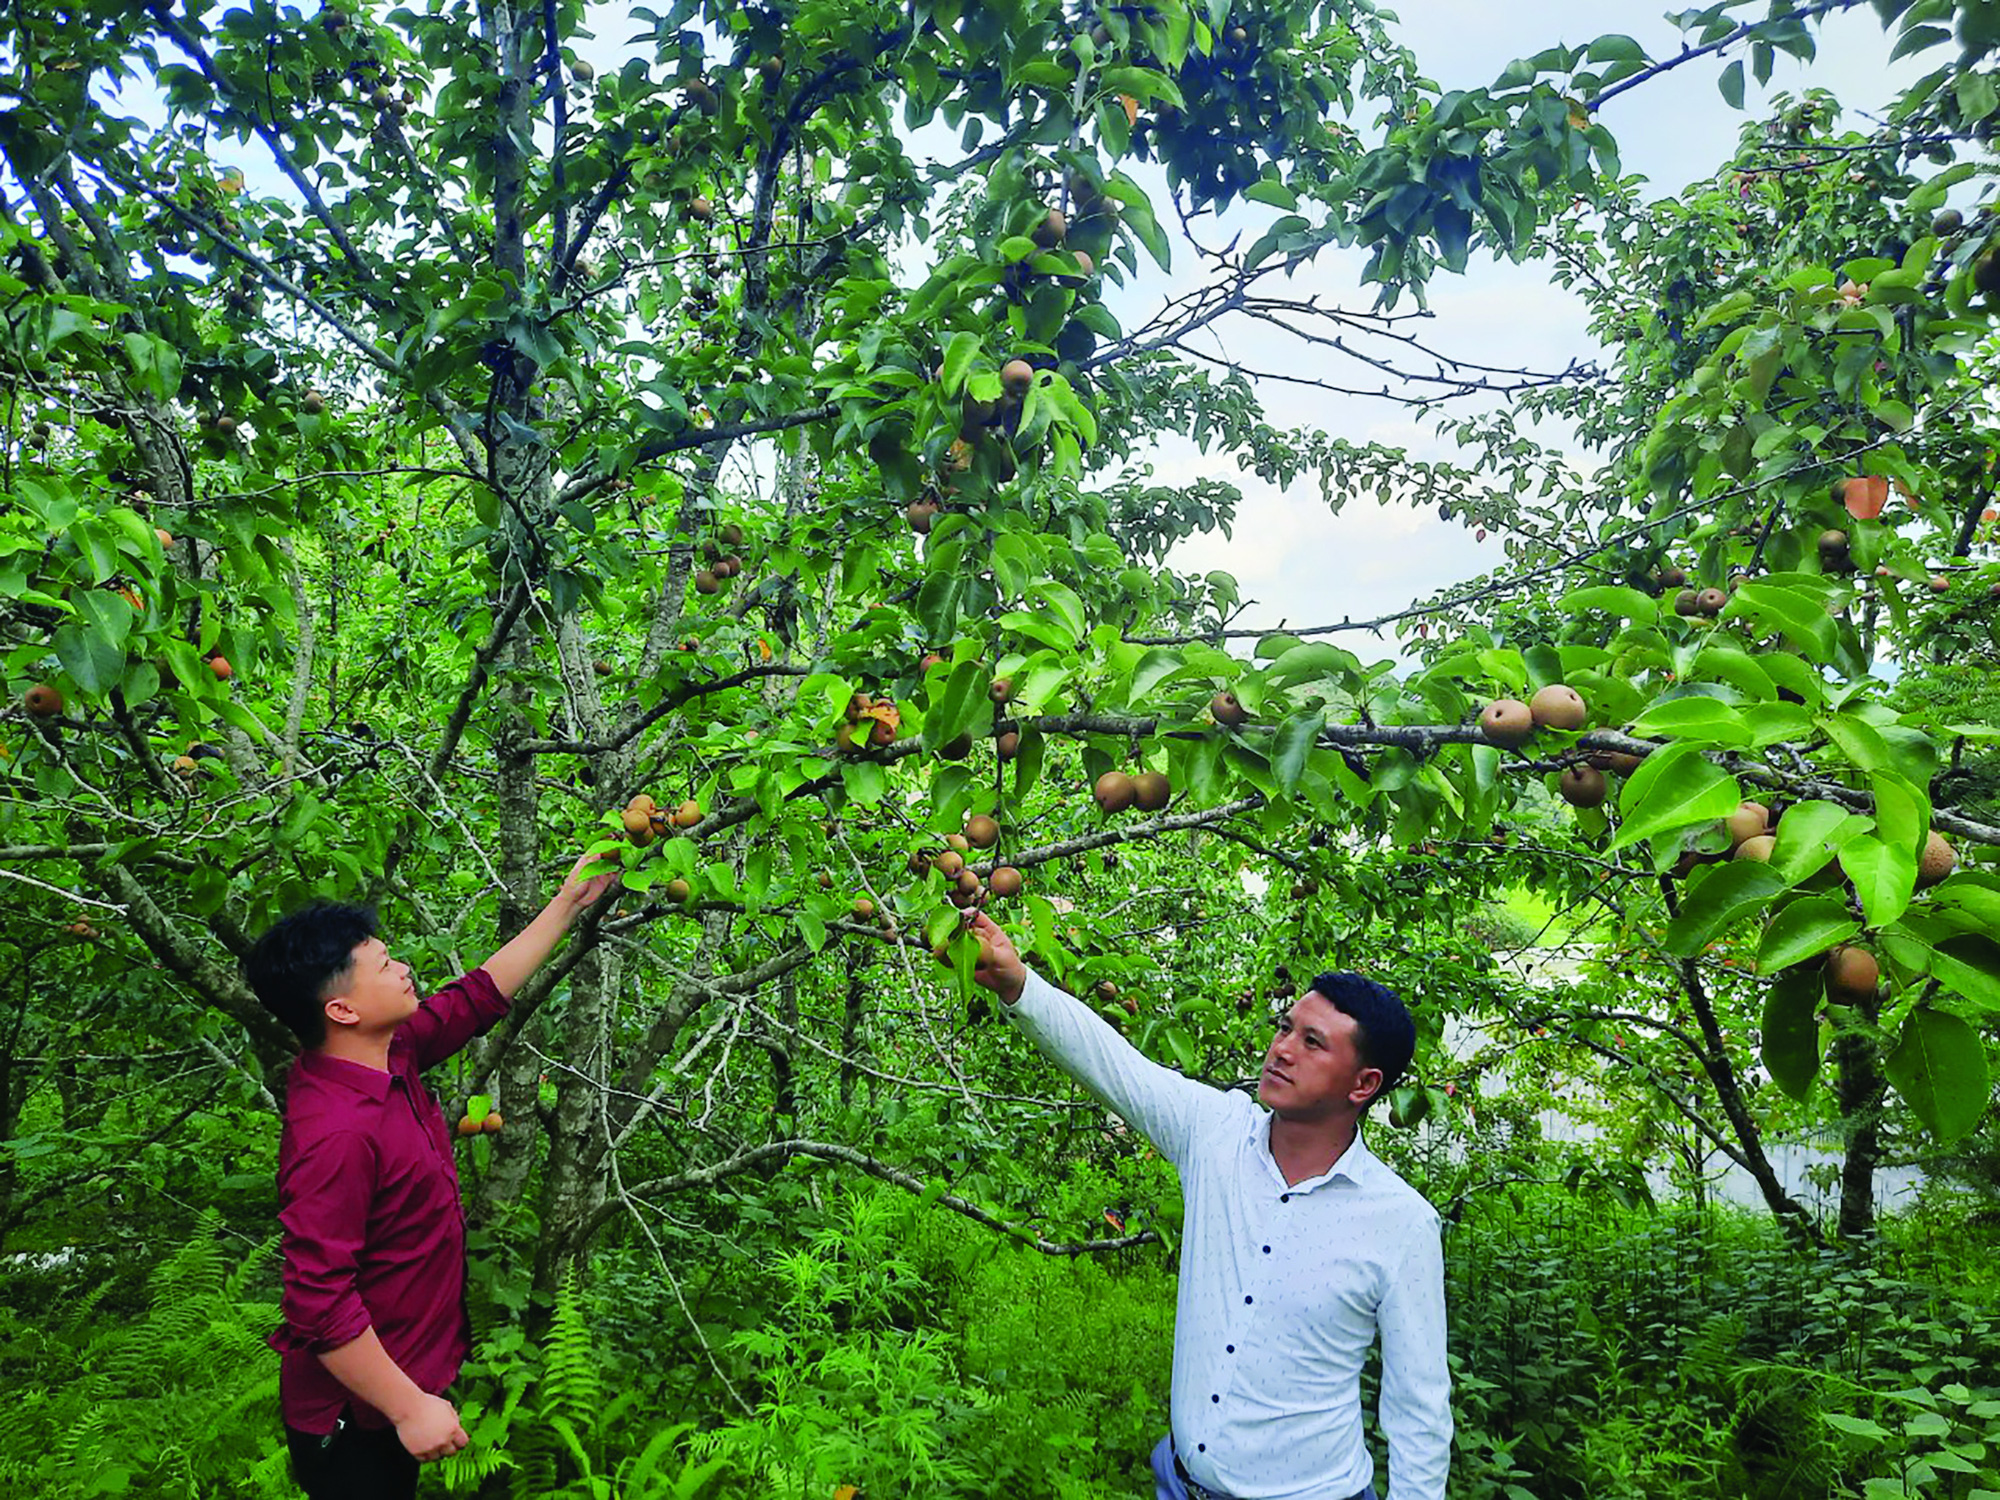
(1302, 564)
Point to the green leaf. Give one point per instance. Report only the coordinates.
(1716, 898)
(1674, 788)
(1731, 84)
(1155, 667)
(1859, 1427)
(95, 663)
(1939, 1067)
(1803, 930)
(1810, 834)
(1969, 964)
(1796, 611)
(1884, 876)
(1293, 743)
(1313, 660)
(1790, 1033)
(1902, 812)
(1063, 604)
(1276, 194)
(1630, 604)
(1616, 48)
(959, 353)
(1858, 741)
(1180, 1044)
(1695, 718)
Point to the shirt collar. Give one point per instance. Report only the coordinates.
(1355, 1164)
(364, 1080)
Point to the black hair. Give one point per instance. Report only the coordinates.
(292, 964)
(1384, 1033)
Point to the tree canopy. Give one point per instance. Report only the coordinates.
(726, 462)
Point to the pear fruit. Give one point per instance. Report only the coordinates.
(1152, 791)
(981, 831)
(1008, 744)
(1115, 791)
(1228, 711)
(1557, 707)
(43, 700)
(1758, 848)
(1937, 861)
(1749, 820)
(1852, 972)
(1687, 603)
(687, 814)
(677, 889)
(1507, 722)
(1016, 376)
(1582, 786)
(1005, 881)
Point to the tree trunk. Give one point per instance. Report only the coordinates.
(1859, 1088)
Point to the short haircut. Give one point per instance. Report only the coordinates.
(291, 965)
(1384, 1033)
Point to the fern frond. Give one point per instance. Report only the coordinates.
(570, 1386)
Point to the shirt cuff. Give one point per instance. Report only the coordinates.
(342, 1328)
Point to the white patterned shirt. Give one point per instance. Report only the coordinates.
(1283, 1287)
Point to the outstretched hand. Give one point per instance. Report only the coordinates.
(577, 893)
(999, 967)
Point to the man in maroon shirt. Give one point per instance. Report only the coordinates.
(374, 1246)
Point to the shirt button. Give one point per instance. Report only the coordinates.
(1248, 1300)
(1228, 1348)
(1267, 1249)
(1201, 1447)
(1284, 1197)
(1216, 1399)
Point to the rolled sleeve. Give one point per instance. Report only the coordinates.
(1416, 1379)
(324, 1197)
(467, 1007)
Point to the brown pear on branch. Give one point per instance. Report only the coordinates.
(1507, 722)
(1557, 707)
(1937, 861)
(1115, 791)
(1582, 786)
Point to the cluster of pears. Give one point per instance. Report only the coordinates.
(491, 1125)
(871, 723)
(645, 820)
(1510, 723)
(1690, 603)
(967, 890)
(1149, 791)
(719, 555)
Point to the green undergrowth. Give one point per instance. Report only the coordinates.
(865, 1338)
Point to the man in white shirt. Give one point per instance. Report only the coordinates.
(1298, 1246)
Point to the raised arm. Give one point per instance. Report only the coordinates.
(510, 967)
(472, 1004)
(1160, 1103)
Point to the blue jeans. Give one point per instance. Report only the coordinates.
(1168, 1483)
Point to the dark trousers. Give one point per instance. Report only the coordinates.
(1171, 1482)
(352, 1463)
